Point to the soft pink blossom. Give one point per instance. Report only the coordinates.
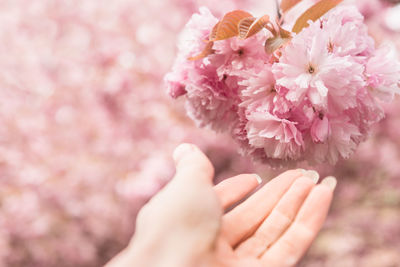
(342, 141)
(320, 130)
(314, 99)
(279, 138)
(307, 69)
(383, 72)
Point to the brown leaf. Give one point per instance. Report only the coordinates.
(244, 26)
(288, 4)
(228, 26)
(314, 13)
(208, 50)
(277, 41)
(213, 33)
(250, 26)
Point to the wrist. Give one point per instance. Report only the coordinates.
(158, 253)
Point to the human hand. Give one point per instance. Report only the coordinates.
(185, 224)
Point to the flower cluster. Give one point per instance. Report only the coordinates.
(314, 98)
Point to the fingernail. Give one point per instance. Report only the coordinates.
(330, 181)
(313, 175)
(302, 170)
(181, 150)
(259, 179)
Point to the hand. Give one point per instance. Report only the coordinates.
(185, 223)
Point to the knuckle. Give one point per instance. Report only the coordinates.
(284, 219)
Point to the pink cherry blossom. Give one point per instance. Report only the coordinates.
(320, 130)
(308, 70)
(383, 72)
(342, 141)
(314, 100)
(279, 138)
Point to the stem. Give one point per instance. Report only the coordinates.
(278, 9)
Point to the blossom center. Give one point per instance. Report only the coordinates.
(311, 69)
(330, 47)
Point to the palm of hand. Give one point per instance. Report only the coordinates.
(185, 224)
(276, 225)
(273, 227)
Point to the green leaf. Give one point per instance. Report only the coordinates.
(314, 13)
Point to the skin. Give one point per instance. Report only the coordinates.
(185, 224)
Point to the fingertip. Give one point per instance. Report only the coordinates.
(330, 182)
(258, 178)
(313, 175)
(236, 188)
(181, 150)
(293, 173)
(287, 177)
(190, 161)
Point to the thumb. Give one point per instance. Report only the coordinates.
(191, 163)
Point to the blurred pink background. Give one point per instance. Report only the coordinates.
(87, 130)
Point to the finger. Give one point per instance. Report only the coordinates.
(279, 220)
(192, 164)
(245, 218)
(293, 244)
(234, 189)
(187, 202)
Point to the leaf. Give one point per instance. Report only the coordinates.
(228, 26)
(208, 50)
(213, 33)
(244, 26)
(277, 41)
(288, 4)
(250, 26)
(314, 13)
